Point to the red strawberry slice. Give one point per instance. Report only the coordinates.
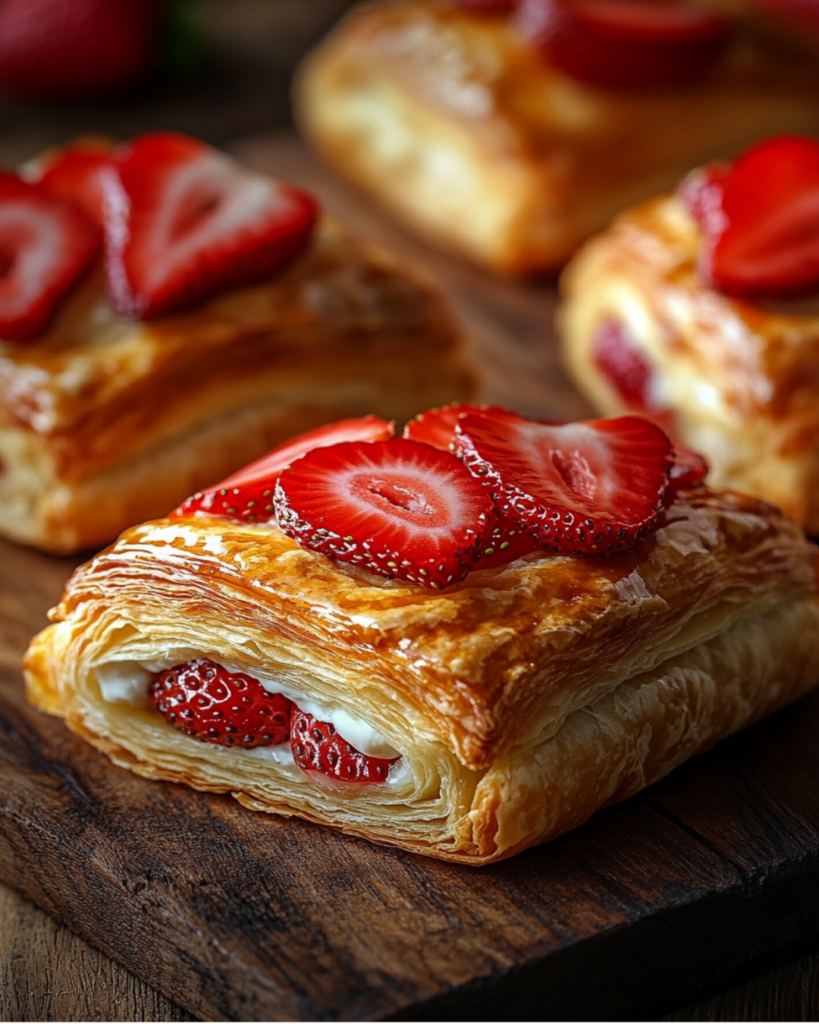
(45, 246)
(399, 508)
(591, 487)
(74, 173)
(184, 221)
(211, 704)
(248, 494)
(317, 747)
(437, 426)
(761, 219)
(625, 43)
(688, 471)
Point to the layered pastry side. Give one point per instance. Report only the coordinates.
(112, 412)
(465, 720)
(731, 368)
(470, 126)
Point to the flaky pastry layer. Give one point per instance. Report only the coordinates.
(453, 121)
(740, 377)
(105, 421)
(519, 701)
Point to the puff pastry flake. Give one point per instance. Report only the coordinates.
(517, 702)
(452, 120)
(106, 421)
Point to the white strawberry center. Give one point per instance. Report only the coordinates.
(414, 500)
(203, 203)
(32, 254)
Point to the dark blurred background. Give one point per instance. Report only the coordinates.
(221, 71)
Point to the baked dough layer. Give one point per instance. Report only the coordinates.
(105, 421)
(452, 121)
(520, 701)
(739, 377)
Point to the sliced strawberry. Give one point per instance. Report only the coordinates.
(507, 543)
(688, 471)
(761, 219)
(618, 357)
(248, 494)
(317, 747)
(74, 173)
(593, 487)
(437, 426)
(625, 43)
(399, 508)
(45, 246)
(211, 704)
(184, 221)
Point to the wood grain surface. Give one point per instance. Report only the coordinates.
(707, 876)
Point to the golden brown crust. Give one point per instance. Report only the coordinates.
(483, 689)
(739, 376)
(454, 122)
(106, 421)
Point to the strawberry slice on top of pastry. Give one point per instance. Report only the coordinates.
(168, 315)
(460, 642)
(701, 309)
(509, 131)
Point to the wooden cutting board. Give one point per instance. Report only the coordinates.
(711, 874)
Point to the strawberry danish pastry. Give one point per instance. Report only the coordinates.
(461, 642)
(508, 131)
(166, 315)
(701, 308)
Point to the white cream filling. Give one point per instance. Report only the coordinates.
(127, 682)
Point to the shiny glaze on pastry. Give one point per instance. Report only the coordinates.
(105, 421)
(453, 120)
(519, 700)
(740, 376)
(99, 385)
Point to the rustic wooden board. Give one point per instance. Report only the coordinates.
(706, 876)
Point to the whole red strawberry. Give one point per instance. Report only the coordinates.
(76, 47)
(317, 747)
(211, 704)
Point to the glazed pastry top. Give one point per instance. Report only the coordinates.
(494, 662)
(764, 353)
(96, 382)
(481, 70)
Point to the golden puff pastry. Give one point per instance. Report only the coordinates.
(739, 377)
(106, 421)
(517, 702)
(453, 121)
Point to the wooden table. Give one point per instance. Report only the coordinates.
(48, 973)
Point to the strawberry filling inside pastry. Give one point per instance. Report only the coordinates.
(760, 219)
(215, 705)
